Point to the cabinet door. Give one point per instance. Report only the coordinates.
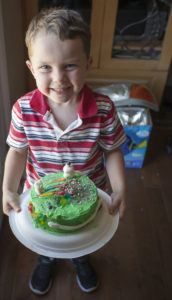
(97, 15)
(148, 71)
(110, 44)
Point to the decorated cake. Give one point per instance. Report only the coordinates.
(64, 201)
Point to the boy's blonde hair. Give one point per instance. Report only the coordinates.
(65, 23)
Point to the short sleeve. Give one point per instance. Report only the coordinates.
(112, 133)
(16, 137)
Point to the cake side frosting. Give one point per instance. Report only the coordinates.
(64, 200)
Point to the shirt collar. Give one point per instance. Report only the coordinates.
(87, 106)
(39, 103)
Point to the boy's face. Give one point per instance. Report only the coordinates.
(59, 67)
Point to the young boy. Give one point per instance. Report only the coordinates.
(62, 120)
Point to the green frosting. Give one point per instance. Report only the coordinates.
(70, 202)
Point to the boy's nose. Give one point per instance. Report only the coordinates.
(58, 75)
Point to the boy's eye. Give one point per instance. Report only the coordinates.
(45, 67)
(70, 66)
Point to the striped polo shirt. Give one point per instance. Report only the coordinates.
(97, 128)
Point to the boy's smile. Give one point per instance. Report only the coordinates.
(59, 67)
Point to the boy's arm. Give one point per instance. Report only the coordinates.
(13, 171)
(116, 172)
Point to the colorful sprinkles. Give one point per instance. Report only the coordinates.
(70, 190)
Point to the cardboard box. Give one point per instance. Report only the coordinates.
(135, 147)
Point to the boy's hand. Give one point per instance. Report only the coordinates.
(115, 167)
(118, 203)
(10, 201)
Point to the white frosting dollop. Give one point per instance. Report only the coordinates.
(68, 171)
(38, 187)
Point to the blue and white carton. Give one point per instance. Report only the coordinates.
(137, 125)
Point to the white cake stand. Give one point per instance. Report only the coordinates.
(89, 239)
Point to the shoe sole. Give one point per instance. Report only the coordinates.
(86, 290)
(38, 292)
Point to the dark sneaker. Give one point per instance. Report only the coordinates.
(86, 276)
(41, 279)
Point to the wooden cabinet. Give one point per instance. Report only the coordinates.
(107, 70)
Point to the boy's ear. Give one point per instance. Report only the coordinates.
(29, 65)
